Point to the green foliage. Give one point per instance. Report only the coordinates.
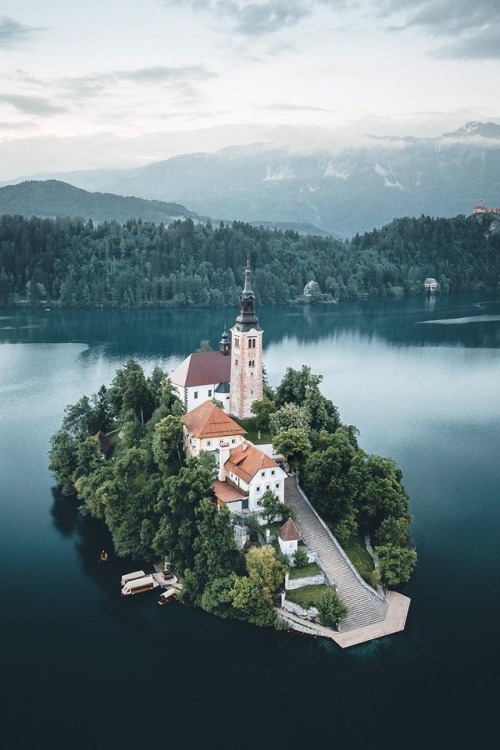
(396, 564)
(167, 443)
(290, 416)
(265, 570)
(294, 444)
(263, 411)
(75, 264)
(300, 558)
(394, 531)
(63, 459)
(249, 601)
(271, 506)
(331, 609)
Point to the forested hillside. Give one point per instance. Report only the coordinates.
(71, 263)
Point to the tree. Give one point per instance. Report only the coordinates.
(216, 556)
(263, 411)
(300, 558)
(266, 570)
(294, 444)
(289, 416)
(301, 387)
(82, 419)
(249, 601)
(204, 346)
(331, 609)
(178, 500)
(271, 506)
(382, 494)
(394, 531)
(396, 564)
(63, 459)
(167, 443)
(328, 481)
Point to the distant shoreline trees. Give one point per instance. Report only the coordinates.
(71, 263)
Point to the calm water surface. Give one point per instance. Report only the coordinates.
(84, 668)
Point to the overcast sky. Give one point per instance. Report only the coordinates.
(91, 83)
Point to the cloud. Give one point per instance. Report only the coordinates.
(31, 105)
(469, 31)
(181, 80)
(251, 18)
(13, 33)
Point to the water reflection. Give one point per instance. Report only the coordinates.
(174, 333)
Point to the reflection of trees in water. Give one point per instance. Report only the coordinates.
(125, 333)
(91, 537)
(64, 512)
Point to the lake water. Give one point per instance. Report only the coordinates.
(84, 668)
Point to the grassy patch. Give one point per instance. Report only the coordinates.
(309, 570)
(358, 555)
(307, 596)
(253, 432)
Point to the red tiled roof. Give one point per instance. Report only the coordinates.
(246, 460)
(207, 420)
(226, 493)
(202, 368)
(289, 532)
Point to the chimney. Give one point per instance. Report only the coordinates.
(224, 451)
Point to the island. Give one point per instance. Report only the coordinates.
(259, 501)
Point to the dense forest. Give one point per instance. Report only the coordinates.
(72, 263)
(120, 452)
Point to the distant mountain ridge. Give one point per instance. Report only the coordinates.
(341, 191)
(53, 198)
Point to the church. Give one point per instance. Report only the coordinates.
(233, 375)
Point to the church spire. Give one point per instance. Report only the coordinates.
(247, 318)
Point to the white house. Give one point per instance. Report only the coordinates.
(430, 284)
(207, 428)
(288, 538)
(245, 475)
(310, 287)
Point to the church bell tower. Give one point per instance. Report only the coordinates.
(246, 356)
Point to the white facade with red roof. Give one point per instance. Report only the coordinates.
(247, 473)
(208, 428)
(289, 537)
(201, 376)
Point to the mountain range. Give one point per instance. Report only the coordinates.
(341, 191)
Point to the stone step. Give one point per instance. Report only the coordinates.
(364, 605)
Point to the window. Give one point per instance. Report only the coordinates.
(263, 473)
(236, 343)
(233, 440)
(210, 394)
(235, 361)
(277, 485)
(268, 486)
(272, 472)
(258, 489)
(196, 394)
(208, 443)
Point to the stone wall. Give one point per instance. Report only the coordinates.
(298, 583)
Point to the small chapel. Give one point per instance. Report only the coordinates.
(233, 375)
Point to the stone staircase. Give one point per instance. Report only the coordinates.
(365, 605)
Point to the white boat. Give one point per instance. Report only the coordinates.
(130, 576)
(167, 596)
(138, 585)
